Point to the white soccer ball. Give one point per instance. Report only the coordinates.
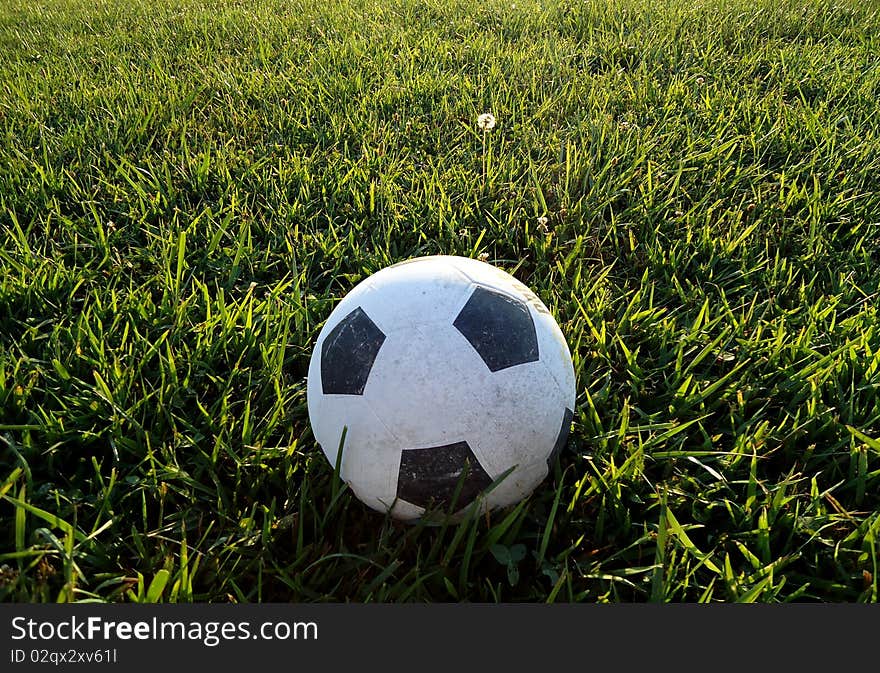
(449, 376)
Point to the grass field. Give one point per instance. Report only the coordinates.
(187, 188)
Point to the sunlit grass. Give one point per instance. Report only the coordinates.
(187, 188)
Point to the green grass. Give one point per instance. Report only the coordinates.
(187, 188)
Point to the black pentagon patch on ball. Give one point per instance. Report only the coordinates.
(561, 438)
(430, 477)
(500, 328)
(348, 353)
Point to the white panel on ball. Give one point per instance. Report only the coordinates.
(414, 294)
(418, 389)
(513, 429)
(370, 455)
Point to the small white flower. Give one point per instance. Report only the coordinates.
(542, 224)
(486, 121)
(483, 257)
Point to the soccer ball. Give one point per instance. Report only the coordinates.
(452, 383)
